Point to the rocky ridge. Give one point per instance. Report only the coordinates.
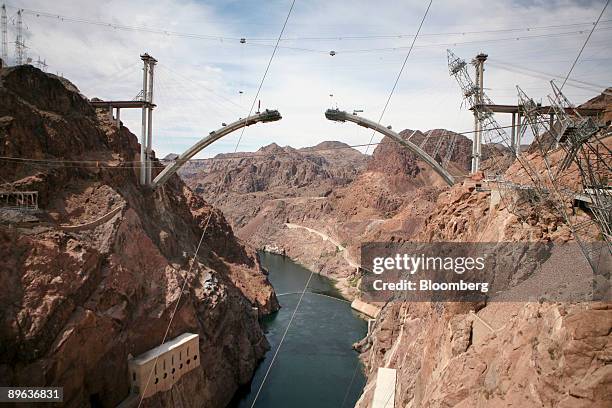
(498, 354)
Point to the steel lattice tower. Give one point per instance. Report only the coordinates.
(486, 128)
(4, 24)
(584, 159)
(19, 43)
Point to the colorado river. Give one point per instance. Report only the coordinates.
(316, 366)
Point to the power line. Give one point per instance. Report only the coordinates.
(348, 390)
(501, 64)
(122, 166)
(584, 45)
(253, 41)
(457, 43)
(282, 339)
(425, 46)
(194, 82)
(449, 33)
(542, 75)
(215, 37)
(399, 75)
(280, 35)
(178, 301)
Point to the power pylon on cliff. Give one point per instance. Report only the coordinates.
(574, 152)
(4, 24)
(19, 42)
(570, 145)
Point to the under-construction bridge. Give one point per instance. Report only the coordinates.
(144, 101)
(433, 155)
(266, 116)
(342, 116)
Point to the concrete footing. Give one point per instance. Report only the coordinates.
(367, 309)
(384, 393)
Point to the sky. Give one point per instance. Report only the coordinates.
(206, 76)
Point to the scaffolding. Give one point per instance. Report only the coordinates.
(571, 145)
(585, 158)
(19, 200)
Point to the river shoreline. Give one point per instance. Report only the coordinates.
(347, 291)
(311, 361)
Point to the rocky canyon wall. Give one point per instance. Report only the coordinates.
(76, 303)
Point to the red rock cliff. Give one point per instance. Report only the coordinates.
(76, 302)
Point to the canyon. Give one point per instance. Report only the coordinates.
(340, 196)
(445, 354)
(93, 276)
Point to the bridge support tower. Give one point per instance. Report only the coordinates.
(478, 63)
(146, 139)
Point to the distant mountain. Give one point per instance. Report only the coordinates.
(273, 167)
(170, 157)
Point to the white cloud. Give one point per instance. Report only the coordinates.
(198, 80)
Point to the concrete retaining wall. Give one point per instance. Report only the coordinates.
(160, 368)
(367, 309)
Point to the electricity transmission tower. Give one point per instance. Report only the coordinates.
(578, 160)
(19, 42)
(41, 64)
(4, 24)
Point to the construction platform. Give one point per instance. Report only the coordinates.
(541, 109)
(161, 367)
(20, 200)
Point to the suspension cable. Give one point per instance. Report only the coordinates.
(282, 339)
(178, 301)
(584, 45)
(399, 75)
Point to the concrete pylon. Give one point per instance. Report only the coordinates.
(152, 62)
(478, 62)
(146, 139)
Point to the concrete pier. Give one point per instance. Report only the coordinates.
(384, 393)
(367, 309)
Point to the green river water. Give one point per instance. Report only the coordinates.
(316, 366)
